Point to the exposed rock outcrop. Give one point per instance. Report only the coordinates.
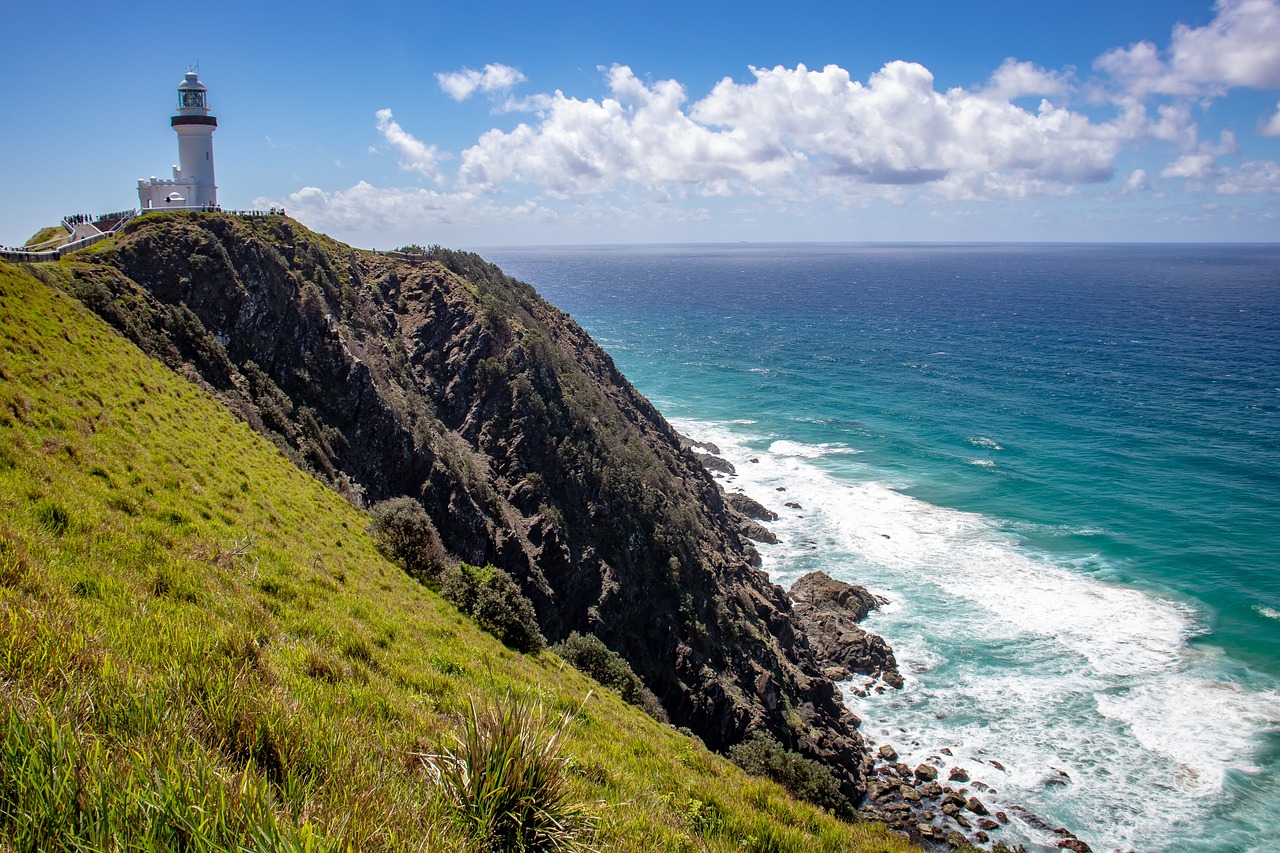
(445, 380)
(750, 507)
(829, 611)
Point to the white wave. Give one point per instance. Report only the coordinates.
(982, 463)
(983, 441)
(1269, 612)
(1088, 693)
(783, 447)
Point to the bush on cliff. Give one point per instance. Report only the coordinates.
(587, 653)
(403, 531)
(806, 779)
(492, 598)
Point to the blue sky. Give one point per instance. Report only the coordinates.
(482, 124)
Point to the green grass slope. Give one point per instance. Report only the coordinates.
(201, 649)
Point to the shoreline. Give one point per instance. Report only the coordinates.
(912, 802)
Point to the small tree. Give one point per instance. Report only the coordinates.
(588, 654)
(494, 600)
(804, 778)
(403, 531)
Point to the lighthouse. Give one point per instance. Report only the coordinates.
(192, 185)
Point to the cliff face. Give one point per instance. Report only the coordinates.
(445, 380)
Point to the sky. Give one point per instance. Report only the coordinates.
(504, 124)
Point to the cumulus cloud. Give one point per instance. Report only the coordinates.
(414, 155)
(1014, 79)
(1239, 47)
(495, 77)
(795, 125)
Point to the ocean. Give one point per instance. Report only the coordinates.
(1059, 463)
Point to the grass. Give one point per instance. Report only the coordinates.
(201, 648)
(48, 234)
(508, 783)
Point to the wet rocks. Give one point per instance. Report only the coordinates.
(958, 774)
(828, 611)
(888, 753)
(750, 507)
(926, 773)
(715, 464)
(757, 532)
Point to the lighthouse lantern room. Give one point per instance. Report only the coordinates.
(192, 185)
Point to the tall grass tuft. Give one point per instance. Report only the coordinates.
(507, 784)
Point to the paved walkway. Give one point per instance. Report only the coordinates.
(82, 230)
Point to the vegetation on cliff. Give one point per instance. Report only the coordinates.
(202, 648)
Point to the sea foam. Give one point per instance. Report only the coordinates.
(1076, 699)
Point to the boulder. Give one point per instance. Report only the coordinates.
(975, 805)
(1075, 845)
(757, 532)
(926, 772)
(750, 507)
(888, 753)
(958, 774)
(715, 463)
(828, 611)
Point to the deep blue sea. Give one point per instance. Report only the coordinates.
(1060, 465)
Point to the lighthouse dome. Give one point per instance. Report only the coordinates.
(191, 83)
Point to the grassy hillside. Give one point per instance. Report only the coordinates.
(200, 647)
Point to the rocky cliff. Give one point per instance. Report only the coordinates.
(443, 379)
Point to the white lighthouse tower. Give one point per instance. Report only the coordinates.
(193, 184)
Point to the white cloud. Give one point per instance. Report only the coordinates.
(1239, 47)
(1271, 127)
(1014, 79)
(1195, 167)
(819, 128)
(1202, 173)
(495, 77)
(414, 155)
(364, 207)
(1250, 178)
(1138, 182)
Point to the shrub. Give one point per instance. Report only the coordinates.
(804, 778)
(587, 653)
(404, 532)
(506, 782)
(494, 600)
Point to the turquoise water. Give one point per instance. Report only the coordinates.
(1061, 465)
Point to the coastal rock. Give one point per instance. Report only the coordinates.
(828, 610)
(976, 806)
(750, 507)
(714, 463)
(888, 753)
(926, 773)
(1075, 845)
(757, 532)
(958, 774)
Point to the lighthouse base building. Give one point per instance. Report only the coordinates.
(192, 186)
